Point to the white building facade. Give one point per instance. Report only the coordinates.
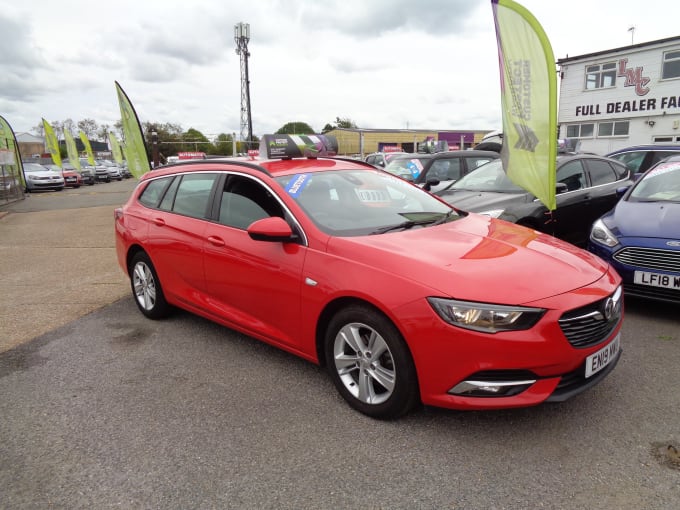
(622, 97)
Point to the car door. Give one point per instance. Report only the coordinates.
(253, 284)
(571, 217)
(176, 232)
(605, 178)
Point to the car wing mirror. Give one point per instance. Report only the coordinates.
(429, 183)
(560, 187)
(273, 229)
(621, 191)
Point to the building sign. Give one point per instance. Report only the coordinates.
(633, 78)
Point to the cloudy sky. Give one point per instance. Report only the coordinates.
(386, 64)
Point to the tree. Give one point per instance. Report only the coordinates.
(295, 128)
(103, 132)
(224, 144)
(89, 127)
(342, 123)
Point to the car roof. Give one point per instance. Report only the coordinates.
(270, 167)
(646, 148)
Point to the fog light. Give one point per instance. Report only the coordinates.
(490, 388)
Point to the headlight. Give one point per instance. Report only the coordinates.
(494, 213)
(599, 233)
(485, 317)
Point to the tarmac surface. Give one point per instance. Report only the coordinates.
(58, 259)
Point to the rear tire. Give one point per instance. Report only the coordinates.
(370, 363)
(146, 288)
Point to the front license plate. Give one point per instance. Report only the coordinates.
(666, 281)
(600, 359)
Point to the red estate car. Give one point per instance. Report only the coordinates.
(405, 299)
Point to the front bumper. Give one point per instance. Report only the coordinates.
(528, 367)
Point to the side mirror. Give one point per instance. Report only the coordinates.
(273, 229)
(560, 187)
(429, 183)
(621, 191)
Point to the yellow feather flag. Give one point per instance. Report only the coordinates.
(52, 143)
(135, 148)
(115, 148)
(88, 148)
(529, 100)
(71, 149)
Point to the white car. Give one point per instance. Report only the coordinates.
(114, 171)
(39, 177)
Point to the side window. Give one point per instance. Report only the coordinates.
(572, 175)
(445, 169)
(473, 163)
(193, 194)
(601, 172)
(632, 160)
(153, 192)
(244, 201)
(169, 196)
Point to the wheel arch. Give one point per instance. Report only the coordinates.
(132, 251)
(331, 309)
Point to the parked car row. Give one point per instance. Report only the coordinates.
(53, 177)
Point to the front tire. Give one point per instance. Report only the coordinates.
(370, 363)
(146, 288)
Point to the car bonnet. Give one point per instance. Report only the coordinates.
(477, 258)
(648, 219)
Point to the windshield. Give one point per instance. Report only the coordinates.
(662, 184)
(362, 202)
(488, 177)
(34, 167)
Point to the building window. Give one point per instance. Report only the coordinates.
(600, 76)
(580, 130)
(671, 65)
(666, 139)
(617, 128)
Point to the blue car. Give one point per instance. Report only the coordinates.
(640, 237)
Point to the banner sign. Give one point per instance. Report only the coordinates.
(115, 149)
(88, 148)
(295, 146)
(52, 143)
(529, 100)
(71, 149)
(135, 147)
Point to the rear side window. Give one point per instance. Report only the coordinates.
(154, 191)
(193, 194)
(601, 172)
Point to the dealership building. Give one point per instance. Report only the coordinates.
(621, 97)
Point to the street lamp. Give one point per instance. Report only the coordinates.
(154, 148)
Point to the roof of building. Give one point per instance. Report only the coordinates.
(29, 138)
(622, 48)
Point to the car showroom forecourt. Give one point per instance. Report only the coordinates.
(402, 297)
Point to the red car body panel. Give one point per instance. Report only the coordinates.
(263, 288)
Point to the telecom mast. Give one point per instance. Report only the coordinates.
(241, 37)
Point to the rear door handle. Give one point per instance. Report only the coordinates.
(216, 241)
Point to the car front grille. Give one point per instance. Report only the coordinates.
(655, 293)
(593, 323)
(650, 258)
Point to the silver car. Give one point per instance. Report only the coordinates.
(39, 177)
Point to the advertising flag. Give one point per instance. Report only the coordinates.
(115, 149)
(52, 143)
(529, 100)
(71, 149)
(88, 148)
(10, 159)
(136, 154)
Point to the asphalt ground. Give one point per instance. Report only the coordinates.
(58, 259)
